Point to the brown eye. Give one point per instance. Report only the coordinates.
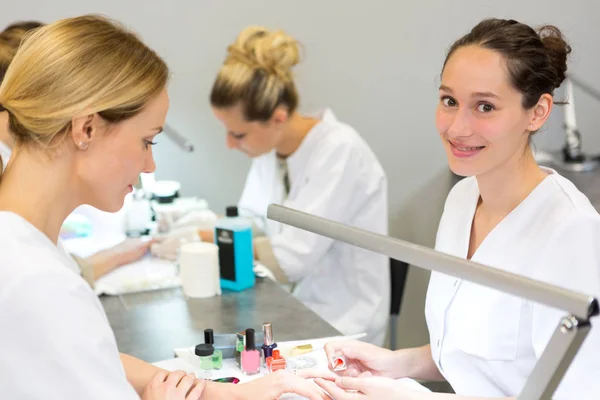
(449, 101)
(485, 108)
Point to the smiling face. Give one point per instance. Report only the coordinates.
(480, 115)
(111, 165)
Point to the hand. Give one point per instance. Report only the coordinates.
(168, 245)
(363, 357)
(126, 252)
(276, 384)
(200, 219)
(175, 385)
(207, 236)
(368, 387)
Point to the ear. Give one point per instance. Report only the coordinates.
(280, 115)
(540, 112)
(84, 129)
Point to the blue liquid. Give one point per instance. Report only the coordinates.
(236, 253)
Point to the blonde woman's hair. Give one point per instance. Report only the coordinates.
(257, 73)
(10, 39)
(87, 64)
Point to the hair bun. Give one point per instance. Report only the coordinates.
(558, 50)
(274, 51)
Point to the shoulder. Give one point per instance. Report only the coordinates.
(464, 189)
(339, 144)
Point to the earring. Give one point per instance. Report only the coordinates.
(82, 145)
(530, 126)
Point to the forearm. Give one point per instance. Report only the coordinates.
(139, 373)
(416, 363)
(220, 391)
(263, 252)
(101, 263)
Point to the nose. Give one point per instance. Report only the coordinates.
(149, 164)
(231, 142)
(459, 124)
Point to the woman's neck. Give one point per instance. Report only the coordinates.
(39, 189)
(297, 128)
(504, 188)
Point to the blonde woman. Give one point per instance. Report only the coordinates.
(104, 261)
(311, 162)
(85, 99)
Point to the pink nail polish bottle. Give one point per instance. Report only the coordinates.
(250, 356)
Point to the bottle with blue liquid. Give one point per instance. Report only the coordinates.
(233, 235)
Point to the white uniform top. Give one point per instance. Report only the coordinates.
(333, 174)
(486, 342)
(4, 153)
(55, 340)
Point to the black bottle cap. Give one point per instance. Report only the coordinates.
(203, 350)
(209, 336)
(250, 343)
(231, 211)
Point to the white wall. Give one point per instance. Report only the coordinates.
(376, 63)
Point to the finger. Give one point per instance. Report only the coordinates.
(300, 386)
(174, 378)
(348, 383)
(150, 242)
(330, 350)
(366, 374)
(158, 378)
(317, 373)
(185, 384)
(197, 390)
(337, 393)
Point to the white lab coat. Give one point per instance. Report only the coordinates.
(333, 174)
(486, 342)
(4, 153)
(55, 340)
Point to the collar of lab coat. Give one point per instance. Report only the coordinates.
(296, 162)
(5, 153)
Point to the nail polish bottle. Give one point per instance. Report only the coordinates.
(205, 352)
(240, 344)
(269, 344)
(339, 363)
(250, 356)
(275, 362)
(217, 356)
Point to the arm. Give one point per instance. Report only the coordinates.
(139, 373)
(416, 363)
(124, 253)
(337, 191)
(76, 351)
(363, 357)
(375, 388)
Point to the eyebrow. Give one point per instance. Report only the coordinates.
(158, 129)
(474, 94)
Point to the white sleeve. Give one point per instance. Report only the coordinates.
(58, 343)
(572, 261)
(329, 193)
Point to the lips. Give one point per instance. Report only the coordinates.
(464, 150)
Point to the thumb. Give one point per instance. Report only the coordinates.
(354, 353)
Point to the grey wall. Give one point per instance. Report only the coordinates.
(374, 62)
